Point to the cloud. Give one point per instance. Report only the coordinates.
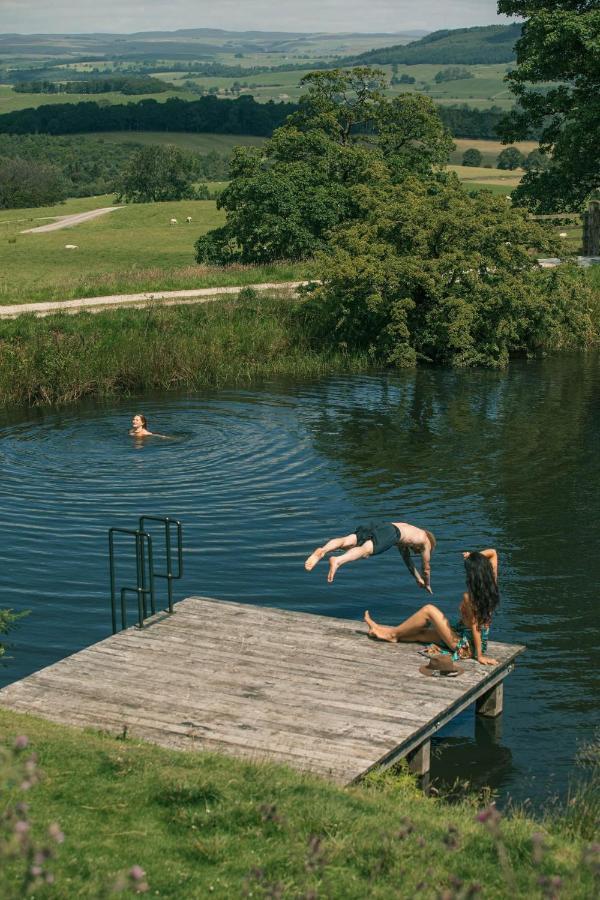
(38, 16)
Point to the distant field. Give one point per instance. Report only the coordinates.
(198, 143)
(488, 149)
(10, 101)
(506, 179)
(484, 90)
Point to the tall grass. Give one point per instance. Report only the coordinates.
(62, 359)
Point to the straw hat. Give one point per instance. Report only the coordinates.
(442, 665)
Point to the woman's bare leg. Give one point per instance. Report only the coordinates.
(429, 623)
(333, 544)
(361, 552)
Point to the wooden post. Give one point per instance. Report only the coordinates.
(490, 703)
(419, 759)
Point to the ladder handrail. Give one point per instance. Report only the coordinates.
(144, 586)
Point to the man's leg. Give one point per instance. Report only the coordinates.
(334, 544)
(428, 624)
(361, 552)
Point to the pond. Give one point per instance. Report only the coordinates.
(261, 476)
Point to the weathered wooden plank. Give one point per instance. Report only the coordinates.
(259, 682)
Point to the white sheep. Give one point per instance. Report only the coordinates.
(173, 221)
(188, 219)
(562, 234)
(70, 246)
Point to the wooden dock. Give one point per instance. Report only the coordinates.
(262, 683)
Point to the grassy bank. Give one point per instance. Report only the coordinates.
(206, 825)
(61, 359)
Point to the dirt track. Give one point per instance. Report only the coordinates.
(68, 221)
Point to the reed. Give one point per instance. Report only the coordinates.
(64, 358)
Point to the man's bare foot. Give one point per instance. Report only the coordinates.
(314, 558)
(382, 632)
(333, 567)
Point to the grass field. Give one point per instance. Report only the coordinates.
(10, 101)
(488, 149)
(197, 143)
(203, 825)
(133, 249)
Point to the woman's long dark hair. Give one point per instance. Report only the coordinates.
(481, 586)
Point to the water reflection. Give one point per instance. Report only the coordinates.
(259, 477)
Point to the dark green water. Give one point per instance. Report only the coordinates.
(259, 477)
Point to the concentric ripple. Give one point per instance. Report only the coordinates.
(260, 477)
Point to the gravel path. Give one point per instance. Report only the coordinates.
(151, 298)
(68, 221)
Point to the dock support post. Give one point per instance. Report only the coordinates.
(491, 703)
(419, 759)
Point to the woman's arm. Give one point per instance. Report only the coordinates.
(493, 558)
(477, 652)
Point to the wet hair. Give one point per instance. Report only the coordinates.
(144, 419)
(481, 586)
(432, 539)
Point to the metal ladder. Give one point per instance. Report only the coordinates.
(145, 572)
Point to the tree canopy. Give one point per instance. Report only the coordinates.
(434, 274)
(284, 198)
(557, 85)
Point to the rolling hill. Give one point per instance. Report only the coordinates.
(464, 46)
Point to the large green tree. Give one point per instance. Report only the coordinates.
(435, 274)
(158, 173)
(557, 85)
(345, 137)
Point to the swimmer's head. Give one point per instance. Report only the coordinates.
(139, 421)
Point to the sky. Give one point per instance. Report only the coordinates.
(76, 16)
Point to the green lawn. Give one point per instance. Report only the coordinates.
(205, 825)
(130, 250)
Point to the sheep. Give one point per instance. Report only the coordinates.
(562, 234)
(188, 219)
(173, 221)
(70, 246)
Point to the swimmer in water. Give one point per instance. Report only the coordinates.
(139, 426)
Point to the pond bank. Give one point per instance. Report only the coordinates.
(208, 825)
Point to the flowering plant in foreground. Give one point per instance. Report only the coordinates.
(19, 773)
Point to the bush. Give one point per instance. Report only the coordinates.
(438, 275)
(510, 158)
(472, 157)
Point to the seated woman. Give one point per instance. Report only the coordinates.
(468, 638)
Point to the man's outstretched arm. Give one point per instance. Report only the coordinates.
(426, 566)
(405, 553)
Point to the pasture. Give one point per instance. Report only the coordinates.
(192, 142)
(130, 250)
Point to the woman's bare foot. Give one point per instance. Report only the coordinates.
(314, 558)
(333, 567)
(383, 632)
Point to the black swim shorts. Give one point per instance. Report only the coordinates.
(383, 536)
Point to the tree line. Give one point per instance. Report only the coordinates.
(243, 115)
(122, 84)
(206, 115)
